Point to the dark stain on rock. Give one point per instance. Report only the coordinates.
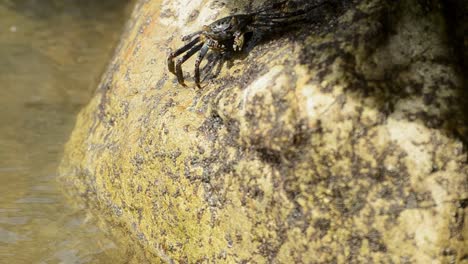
(232, 137)
(161, 81)
(376, 243)
(296, 217)
(269, 156)
(193, 16)
(211, 126)
(322, 225)
(104, 100)
(255, 192)
(463, 203)
(457, 224)
(167, 12)
(354, 244)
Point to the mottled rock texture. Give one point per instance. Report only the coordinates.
(341, 141)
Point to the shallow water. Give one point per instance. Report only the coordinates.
(51, 56)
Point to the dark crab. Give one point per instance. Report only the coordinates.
(228, 34)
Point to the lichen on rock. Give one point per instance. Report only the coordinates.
(338, 142)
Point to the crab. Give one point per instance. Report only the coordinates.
(228, 35)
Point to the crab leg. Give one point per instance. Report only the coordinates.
(172, 55)
(200, 57)
(179, 74)
(190, 36)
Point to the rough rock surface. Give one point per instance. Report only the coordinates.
(339, 142)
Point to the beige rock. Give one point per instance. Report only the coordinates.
(340, 142)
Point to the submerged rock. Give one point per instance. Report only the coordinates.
(337, 142)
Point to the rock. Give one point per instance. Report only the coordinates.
(338, 142)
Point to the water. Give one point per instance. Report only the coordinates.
(51, 56)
